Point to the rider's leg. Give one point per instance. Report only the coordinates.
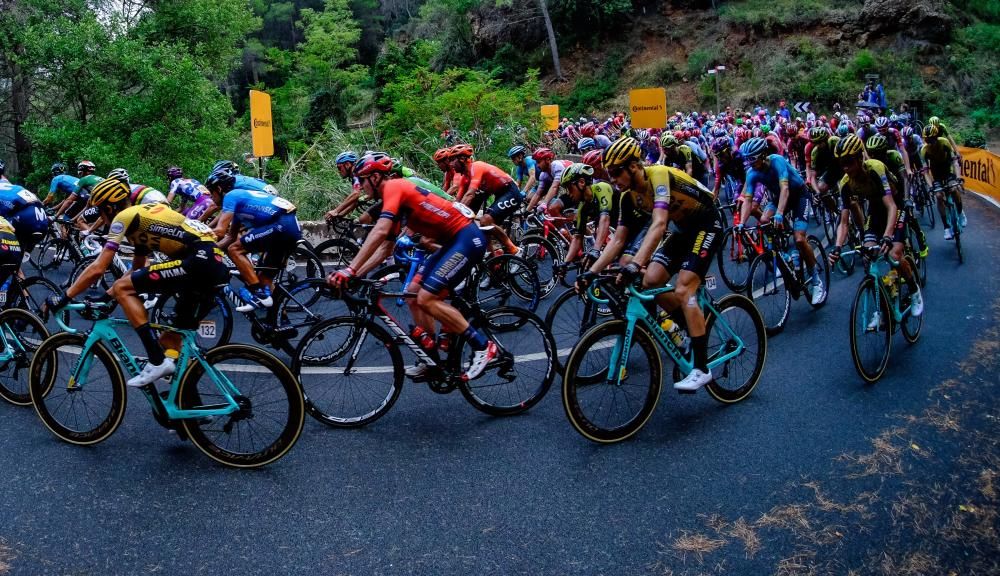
(238, 255)
(125, 293)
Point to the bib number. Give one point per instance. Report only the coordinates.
(283, 204)
(27, 196)
(198, 226)
(464, 210)
(710, 282)
(206, 329)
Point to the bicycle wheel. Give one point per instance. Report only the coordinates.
(958, 245)
(505, 280)
(101, 285)
(214, 329)
(568, 318)
(768, 292)
(52, 253)
(85, 411)
(24, 333)
(271, 414)
(822, 269)
(335, 253)
(302, 263)
(871, 331)
(523, 372)
(303, 305)
(543, 255)
(919, 262)
(910, 324)
(603, 409)
(738, 322)
(351, 372)
(734, 258)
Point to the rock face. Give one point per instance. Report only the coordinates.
(923, 19)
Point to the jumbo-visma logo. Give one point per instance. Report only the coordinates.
(982, 170)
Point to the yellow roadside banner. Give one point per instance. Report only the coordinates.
(261, 131)
(550, 117)
(648, 107)
(981, 170)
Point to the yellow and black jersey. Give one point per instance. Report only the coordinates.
(5, 226)
(670, 189)
(155, 227)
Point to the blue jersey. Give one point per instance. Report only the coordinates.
(188, 189)
(522, 172)
(249, 183)
(254, 208)
(775, 171)
(14, 198)
(63, 184)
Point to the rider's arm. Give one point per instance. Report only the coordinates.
(224, 225)
(612, 250)
(657, 227)
(347, 206)
(890, 206)
(603, 226)
(209, 212)
(574, 248)
(92, 273)
(66, 204)
(363, 261)
(553, 189)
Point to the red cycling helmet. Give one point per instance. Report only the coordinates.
(594, 159)
(588, 129)
(543, 154)
(441, 154)
(460, 150)
(371, 164)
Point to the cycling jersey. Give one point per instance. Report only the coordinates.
(84, 185)
(253, 208)
(433, 188)
(874, 185)
(400, 171)
(603, 202)
(731, 165)
(893, 161)
(5, 226)
(189, 189)
(680, 157)
(63, 185)
(940, 158)
(524, 170)
(11, 252)
(776, 170)
(419, 209)
(155, 227)
(673, 190)
(484, 180)
(244, 182)
(14, 198)
(602, 141)
(819, 158)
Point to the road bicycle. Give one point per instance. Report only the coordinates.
(738, 248)
(238, 404)
(613, 377)
(572, 313)
(923, 201)
(952, 219)
(21, 332)
(881, 306)
(351, 367)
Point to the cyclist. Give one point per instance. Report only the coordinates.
(728, 163)
(524, 170)
(596, 202)
(194, 271)
(11, 254)
(940, 158)
(23, 211)
(196, 202)
(944, 133)
(877, 147)
(549, 172)
(62, 184)
(784, 182)
(77, 200)
(892, 135)
(442, 157)
(670, 196)
(868, 180)
(244, 182)
(345, 162)
(674, 153)
(271, 227)
(462, 246)
(480, 182)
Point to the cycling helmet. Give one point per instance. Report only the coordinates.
(58, 168)
(86, 166)
(848, 146)
(119, 174)
(882, 124)
(934, 121)
(668, 141)
(818, 134)
(641, 134)
(543, 154)
(586, 144)
(876, 143)
(621, 153)
(440, 155)
(227, 165)
(594, 159)
(588, 129)
(514, 151)
(346, 157)
(687, 134)
(460, 150)
(765, 129)
(931, 131)
(224, 180)
(907, 131)
(575, 172)
(108, 191)
(843, 130)
(754, 149)
(372, 164)
(721, 144)
(173, 173)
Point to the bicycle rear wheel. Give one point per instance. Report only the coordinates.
(521, 376)
(602, 408)
(24, 333)
(85, 411)
(271, 414)
(505, 280)
(543, 255)
(871, 331)
(910, 324)
(734, 258)
(568, 318)
(335, 253)
(738, 322)
(768, 292)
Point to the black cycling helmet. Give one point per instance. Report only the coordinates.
(58, 168)
(224, 180)
(226, 165)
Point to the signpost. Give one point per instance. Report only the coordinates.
(648, 107)
(550, 117)
(802, 106)
(261, 129)
(717, 71)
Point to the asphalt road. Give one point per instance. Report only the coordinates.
(804, 477)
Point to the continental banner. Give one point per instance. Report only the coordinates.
(981, 170)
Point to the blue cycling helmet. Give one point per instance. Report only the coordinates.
(58, 168)
(753, 149)
(346, 157)
(843, 130)
(228, 165)
(515, 150)
(586, 144)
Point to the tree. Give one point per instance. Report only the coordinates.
(552, 38)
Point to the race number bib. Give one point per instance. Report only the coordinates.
(199, 227)
(464, 210)
(283, 204)
(27, 196)
(206, 329)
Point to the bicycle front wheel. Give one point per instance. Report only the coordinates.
(871, 331)
(271, 408)
(23, 333)
(85, 410)
(544, 255)
(505, 280)
(768, 292)
(568, 318)
(617, 403)
(738, 323)
(335, 253)
(910, 324)
(523, 372)
(733, 258)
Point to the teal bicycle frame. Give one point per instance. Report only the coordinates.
(877, 275)
(636, 312)
(104, 332)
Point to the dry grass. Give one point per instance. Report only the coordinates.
(986, 488)
(802, 563)
(790, 517)
(746, 534)
(828, 505)
(696, 545)
(884, 459)
(6, 557)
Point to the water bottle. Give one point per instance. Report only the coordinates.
(795, 258)
(891, 282)
(673, 330)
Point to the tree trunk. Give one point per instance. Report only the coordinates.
(552, 38)
(20, 90)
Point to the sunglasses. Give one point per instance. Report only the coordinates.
(616, 172)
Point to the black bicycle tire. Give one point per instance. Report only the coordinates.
(22, 358)
(716, 391)
(868, 284)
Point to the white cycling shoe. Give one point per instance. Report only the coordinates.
(818, 292)
(479, 361)
(693, 381)
(948, 235)
(152, 372)
(916, 303)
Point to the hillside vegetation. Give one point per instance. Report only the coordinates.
(149, 84)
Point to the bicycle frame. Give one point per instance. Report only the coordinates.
(104, 332)
(873, 271)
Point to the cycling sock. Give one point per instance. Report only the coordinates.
(511, 247)
(153, 350)
(476, 340)
(700, 346)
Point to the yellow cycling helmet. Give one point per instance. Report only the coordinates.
(934, 121)
(849, 145)
(576, 171)
(621, 153)
(931, 131)
(108, 191)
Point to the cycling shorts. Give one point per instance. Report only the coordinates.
(875, 227)
(91, 214)
(446, 268)
(195, 279)
(275, 241)
(505, 204)
(798, 207)
(692, 250)
(30, 225)
(200, 206)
